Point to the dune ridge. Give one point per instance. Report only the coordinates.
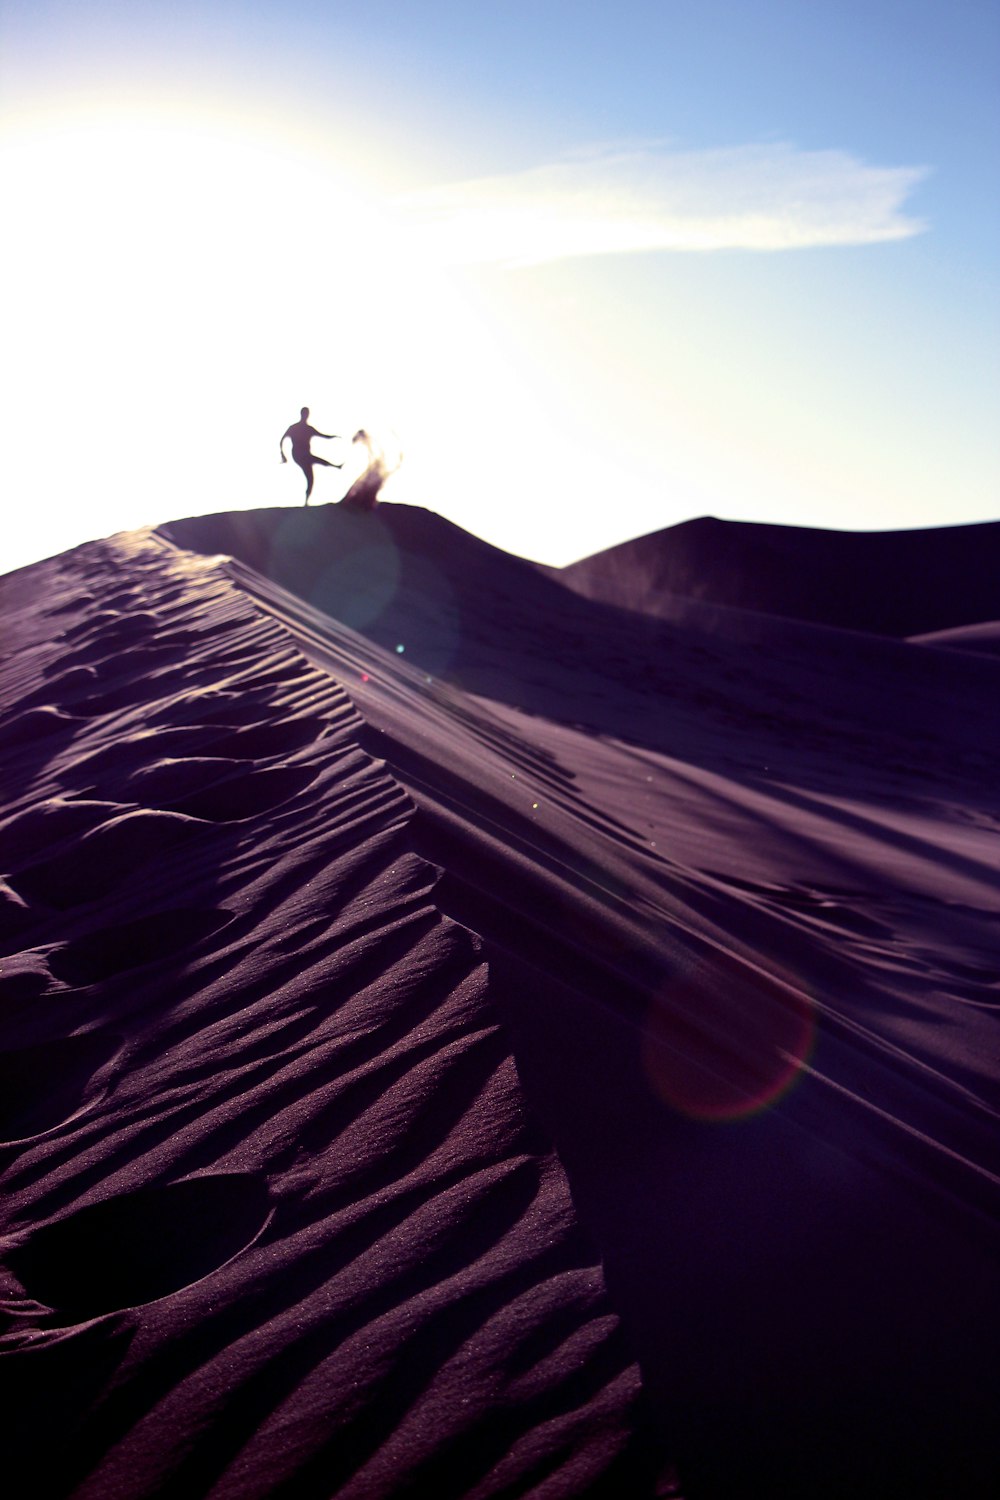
(815, 903)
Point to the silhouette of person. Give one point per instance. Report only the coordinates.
(301, 436)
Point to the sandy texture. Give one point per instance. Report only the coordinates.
(434, 996)
(277, 1217)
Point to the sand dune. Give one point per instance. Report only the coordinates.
(892, 583)
(464, 1037)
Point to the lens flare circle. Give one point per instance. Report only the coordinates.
(726, 1041)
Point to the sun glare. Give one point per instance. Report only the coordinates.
(175, 288)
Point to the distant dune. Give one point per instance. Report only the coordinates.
(892, 583)
(476, 1030)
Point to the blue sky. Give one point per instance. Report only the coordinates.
(594, 269)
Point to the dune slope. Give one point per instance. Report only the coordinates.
(277, 1218)
(530, 992)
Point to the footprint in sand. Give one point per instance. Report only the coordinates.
(219, 798)
(44, 1086)
(102, 859)
(137, 1247)
(101, 955)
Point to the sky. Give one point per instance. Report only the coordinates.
(591, 269)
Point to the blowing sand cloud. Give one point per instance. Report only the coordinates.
(769, 197)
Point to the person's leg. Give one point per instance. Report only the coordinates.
(326, 462)
(305, 464)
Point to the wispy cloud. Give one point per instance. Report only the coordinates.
(766, 197)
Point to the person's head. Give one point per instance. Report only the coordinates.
(304, 413)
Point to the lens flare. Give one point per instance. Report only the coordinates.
(726, 1041)
(358, 589)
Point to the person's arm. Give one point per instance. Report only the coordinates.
(281, 445)
(325, 434)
